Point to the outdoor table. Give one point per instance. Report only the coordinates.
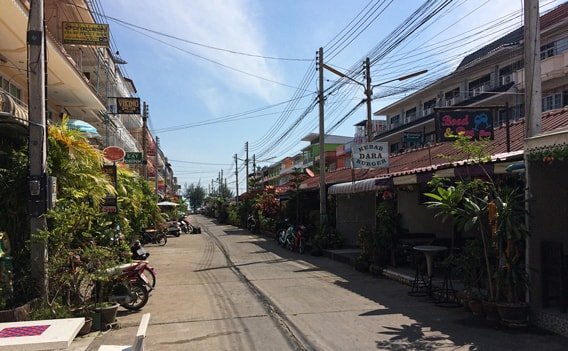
(49, 334)
(429, 251)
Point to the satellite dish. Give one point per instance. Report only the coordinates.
(310, 172)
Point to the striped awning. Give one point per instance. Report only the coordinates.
(360, 186)
(13, 114)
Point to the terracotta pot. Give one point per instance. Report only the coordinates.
(86, 329)
(514, 314)
(15, 314)
(476, 307)
(490, 310)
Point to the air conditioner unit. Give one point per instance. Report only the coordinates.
(506, 79)
(449, 102)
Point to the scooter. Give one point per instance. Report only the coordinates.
(173, 228)
(251, 224)
(128, 286)
(154, 237)
(138, 252)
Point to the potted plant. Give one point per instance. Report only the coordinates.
(511, 276)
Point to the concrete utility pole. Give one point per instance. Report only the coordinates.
(247, 165)
(254, 169)
(368, 94)
(533, 92)
(157, 165)
(237, 177)
(37, 141)
(144, 147)
(533, 107)
(322, 192)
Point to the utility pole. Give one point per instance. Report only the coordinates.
(247, 165)
(533, 92)
(237, 178)
(144, 146)
(254, 169)
(533, 107)
(322, 192)
(37, 141)
(368, 94)
(157, 165)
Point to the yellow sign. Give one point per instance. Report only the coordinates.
(79, 33)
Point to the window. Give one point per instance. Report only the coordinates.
(551, 101)
(395, 121)
(547, 51)
(394, 148)
(410, 115)
(10, 88)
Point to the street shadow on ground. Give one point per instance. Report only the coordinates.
(455, 327)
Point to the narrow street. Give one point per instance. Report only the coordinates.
(226, 289)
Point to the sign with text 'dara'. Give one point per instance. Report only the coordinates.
(370, 155)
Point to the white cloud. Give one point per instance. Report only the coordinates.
(228, 24)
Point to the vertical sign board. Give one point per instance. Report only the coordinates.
(110, 204)
(473, 124)
(370, 155)
(128, 106)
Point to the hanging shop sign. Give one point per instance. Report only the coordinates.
(370, 155)
(90, 34)
(414, 137)
(133, 158)
(114, 153)
(128, 106)
(473, 124)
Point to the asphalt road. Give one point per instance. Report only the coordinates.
(226, 289)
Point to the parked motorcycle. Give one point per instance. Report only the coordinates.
(127, 285)
(252, 226)
(153, 237)
(138, 252)
(173, 228)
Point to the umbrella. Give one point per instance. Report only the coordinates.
(167, 203)
(83, 127)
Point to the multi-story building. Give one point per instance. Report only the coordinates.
(83, 81)
(492, 75)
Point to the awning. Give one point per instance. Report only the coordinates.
(360, 186)
(13, 115)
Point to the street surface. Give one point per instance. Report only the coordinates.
(226, 289)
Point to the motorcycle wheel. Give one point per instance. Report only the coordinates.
(150, 277)
(139, 295)
(177, 234)
(161, 239)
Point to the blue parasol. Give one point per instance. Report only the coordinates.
(83, 127)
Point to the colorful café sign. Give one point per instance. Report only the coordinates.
(370, 155)
(473, 124)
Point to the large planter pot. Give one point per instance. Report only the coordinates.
(514, 314)
(476, 307)
(15, 314)
(490, 311)
(108, 313)
(86, 328)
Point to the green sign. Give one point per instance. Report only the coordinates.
(133, 158)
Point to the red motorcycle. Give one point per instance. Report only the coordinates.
(128, 285)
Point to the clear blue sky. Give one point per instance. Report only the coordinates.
(207, 98)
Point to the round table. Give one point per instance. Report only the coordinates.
(430, 251)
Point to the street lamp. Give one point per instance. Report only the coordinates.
(369, 88)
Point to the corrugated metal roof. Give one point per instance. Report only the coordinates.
(444, 155)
